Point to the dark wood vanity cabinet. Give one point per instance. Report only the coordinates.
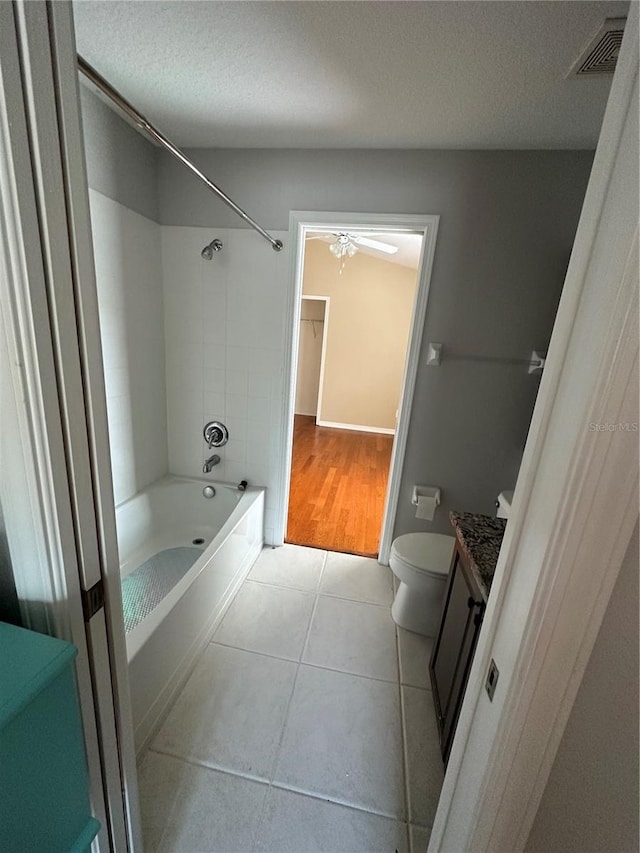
(454, 647)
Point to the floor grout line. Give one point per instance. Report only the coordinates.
(254, 652)
(276, 759)
(354, 600)
(324, 594)
(317, 591)
(348, 672)
(414, 687)
(273, 585)
(194, 762)
(281, 786)
(301, 662)
(403, 737)
(328, 798)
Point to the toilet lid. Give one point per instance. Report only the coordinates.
(429, 552)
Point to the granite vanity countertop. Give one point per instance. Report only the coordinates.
(480, 538)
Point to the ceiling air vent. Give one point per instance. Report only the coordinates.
(601, 54)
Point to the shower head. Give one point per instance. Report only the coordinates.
(214, 246)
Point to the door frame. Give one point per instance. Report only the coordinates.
(502, 753)
(299, 223)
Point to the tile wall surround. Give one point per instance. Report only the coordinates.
(130, 300)
(186, 341)
(224, 331)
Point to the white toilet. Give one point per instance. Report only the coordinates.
(421, 563)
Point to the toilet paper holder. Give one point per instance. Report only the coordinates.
(425, 492)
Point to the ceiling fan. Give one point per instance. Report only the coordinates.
(346, 244)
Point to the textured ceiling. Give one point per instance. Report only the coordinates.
(353, 74)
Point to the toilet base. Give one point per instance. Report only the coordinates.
(417, 611)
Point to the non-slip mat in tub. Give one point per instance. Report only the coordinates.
(146, 586)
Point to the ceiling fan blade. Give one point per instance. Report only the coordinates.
(387, 248)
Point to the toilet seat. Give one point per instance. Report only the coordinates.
(428, 553)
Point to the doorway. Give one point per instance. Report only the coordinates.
(314, 327)
(358, 300)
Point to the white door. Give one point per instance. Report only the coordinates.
(55, 490)
(574, 511)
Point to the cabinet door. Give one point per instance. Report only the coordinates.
(453, 651)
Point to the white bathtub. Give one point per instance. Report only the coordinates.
(172, 513)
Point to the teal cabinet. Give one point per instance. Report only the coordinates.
(44, 786)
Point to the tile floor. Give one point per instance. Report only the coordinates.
(307, 724)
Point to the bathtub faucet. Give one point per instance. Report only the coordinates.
(210, 462)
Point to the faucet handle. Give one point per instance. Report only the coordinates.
(215, 434)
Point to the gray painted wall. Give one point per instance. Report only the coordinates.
(590, 804)
(121, 164)
(508, 220)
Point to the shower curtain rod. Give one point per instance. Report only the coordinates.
(144, 124)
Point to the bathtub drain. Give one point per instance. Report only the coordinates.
(198, 542)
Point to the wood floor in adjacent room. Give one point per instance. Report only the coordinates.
(338, 486)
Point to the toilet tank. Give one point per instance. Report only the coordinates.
(503, 504)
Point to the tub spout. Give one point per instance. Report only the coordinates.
(210, 462)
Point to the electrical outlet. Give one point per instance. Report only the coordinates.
(492, 680)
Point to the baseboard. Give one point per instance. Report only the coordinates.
(356, 427)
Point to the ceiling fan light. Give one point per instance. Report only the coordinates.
(343, 246)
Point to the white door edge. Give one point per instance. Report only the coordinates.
(543, 618)
(34, 485)
(42, 317)
(109, 644)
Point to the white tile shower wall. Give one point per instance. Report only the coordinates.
(224, 330)
(129, 282)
